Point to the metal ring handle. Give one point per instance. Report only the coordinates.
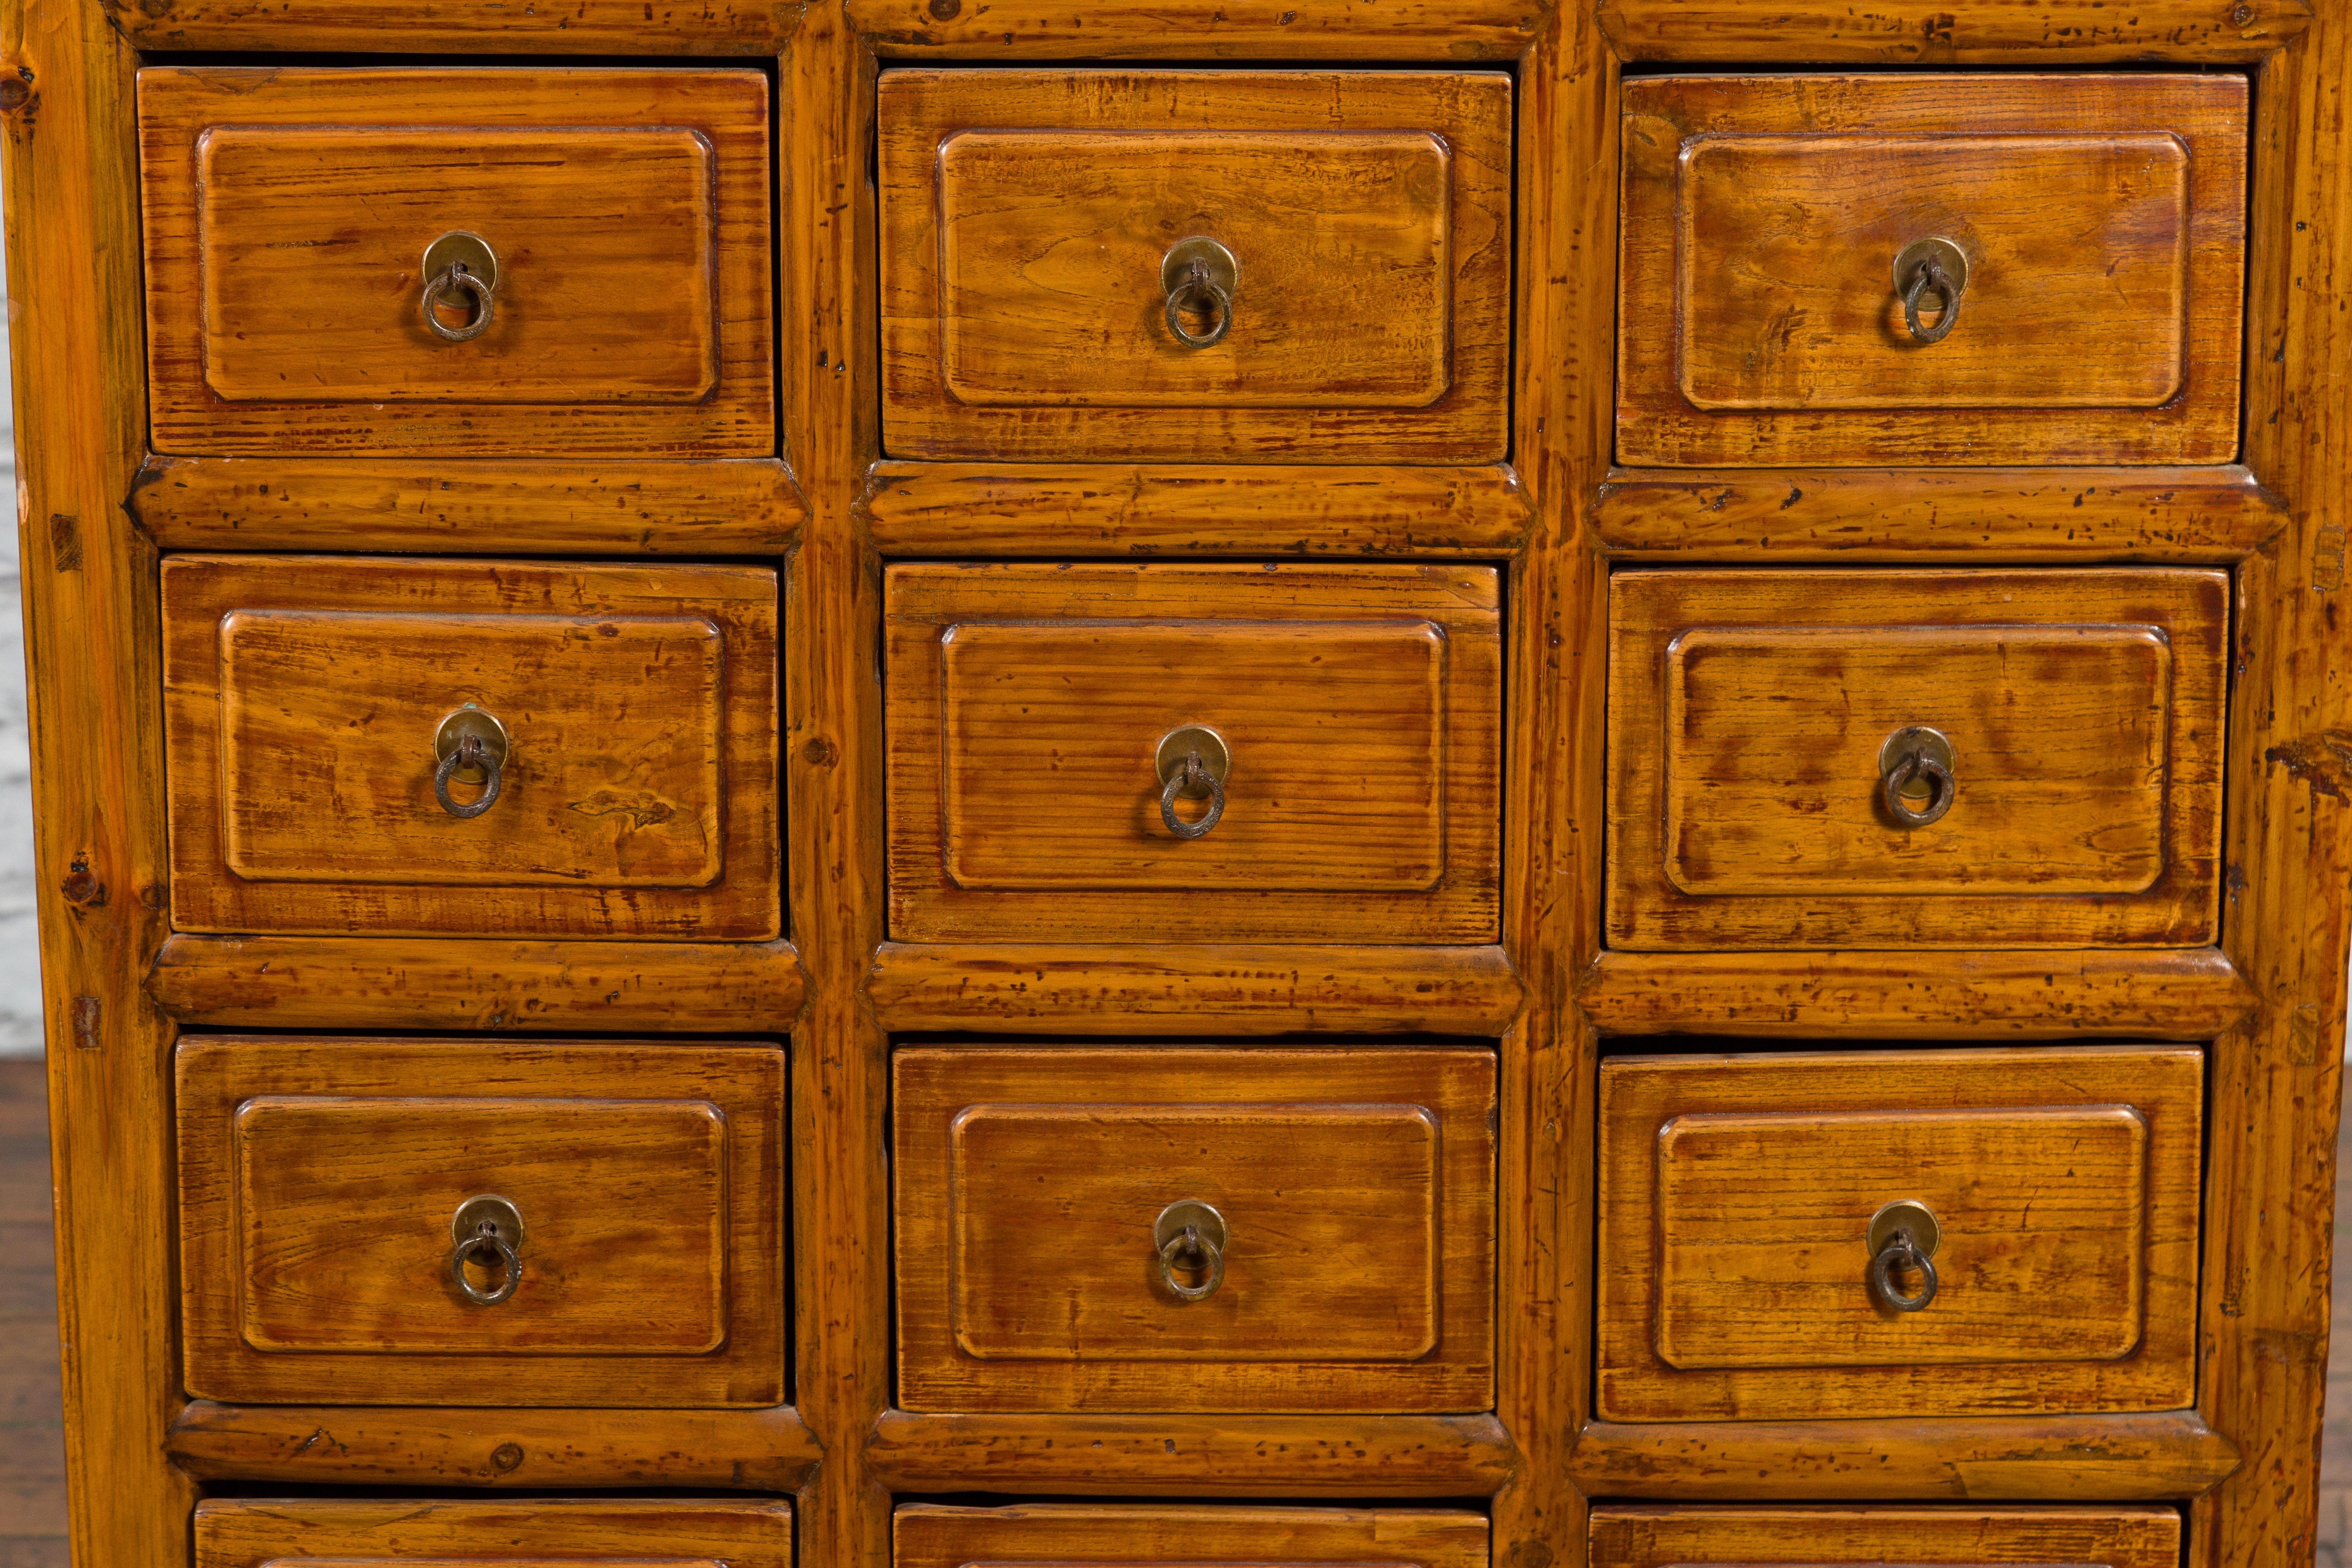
(1941, 790)
(469, 754)
(1197, 284)
(1929, 274)
(503, 1254)
(1194, 780)
(1901, 1249)
(1212, 1257)
(453, 279)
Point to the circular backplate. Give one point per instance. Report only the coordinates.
(1949, 257)
(1907, 1214)
(462, 248)
(1189, 1212)
(1222, 269)
(1929, 743)
(505, 1221)
(471, 720)
(1179, 744)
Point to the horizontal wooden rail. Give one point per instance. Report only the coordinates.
(441, 983)
(768, 1450)
(1270, 988)
(2203, 515)
(1178, 1456)
(1000, 509)
(471, 27)
(2189, 993)
(2103, 1459)
(1951, 32)
(1399, 30)
(734, 507)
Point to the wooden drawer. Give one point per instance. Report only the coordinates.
(1359, 708)
(1767, 245)
(1758, 719)
(321, 1188)
(1029, 219)
(306, 696)
(926, 1535)
(1355, 1188)
(1740, 1229)
(532, 1534)
(1624, 1537)
(290, 213)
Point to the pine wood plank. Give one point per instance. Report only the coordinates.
(1436, 30)
(2056, 34)
(459, 26)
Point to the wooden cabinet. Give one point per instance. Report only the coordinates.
(674, 1534)
(1182, 1229)
(1777, 308)
(614, 230)
(1898, 1233)
(1827, 1537)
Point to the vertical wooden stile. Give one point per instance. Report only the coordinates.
(833, 742)
(91, 648)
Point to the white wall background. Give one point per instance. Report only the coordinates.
(20, 961)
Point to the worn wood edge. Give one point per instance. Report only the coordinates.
(1050, 510)
(2191, 994)
(739, 1450)
(1259, 988)
(364, 983)
(2107, 1459)
(1187, 1456)
(1453, 31)
(730, 27)
(724, 506)
(2205, 516)
(1942, 32)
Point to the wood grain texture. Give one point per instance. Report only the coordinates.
(1451, 31)
(674, 1533)
(2189, 993)
(1017, 508)
(303, 693)
(1359, 703)
(1635, 1537)
(2103, 221)
(930, 1536)
(2056, 32)
(732, 507)
(1746, 714)
(1229, 1453)
(1736, 1195)
(1025, 216)
(317, 1178)
(1273, 988)
(468, 983)
(722, 1450)
(456, 26)
(2277, 1084)
(68, 163)
(284, 251)
(2004, 1459)
(1358, 1269)
(2214, 516)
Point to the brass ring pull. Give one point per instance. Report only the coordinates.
(1915, 776)
(1931, 266)
(1194, 1232)
(489, 1232)
(470, 744)
(1199, 275)
(1194, 762)
(459, 269)
(1904, 1234)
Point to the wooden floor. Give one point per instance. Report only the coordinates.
(32, 1436)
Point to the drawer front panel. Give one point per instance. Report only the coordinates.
(1354, 1189)
(927, 1535)
(290, 215)
(1755, 717)
(2100, 222)
(536, 1533)
(1629, 1537)
(1740, 1198)
(1360, 711)
(1027, 220)
(325, 1186)
(637, 797)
